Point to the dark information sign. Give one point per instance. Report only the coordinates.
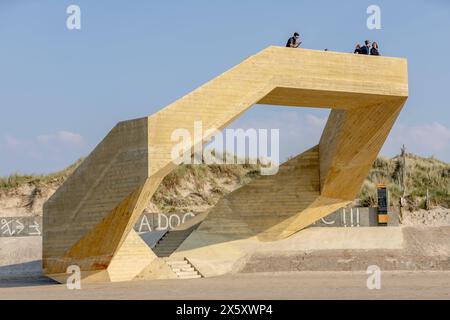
(382, 200)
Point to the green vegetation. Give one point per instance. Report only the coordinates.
(207, 183)
(16, 180)
(421, 174)
(190, 186)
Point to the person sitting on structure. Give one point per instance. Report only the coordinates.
(374, 51)
(366, 49)
(357, 49)
(294, 42)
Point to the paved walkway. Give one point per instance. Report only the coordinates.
(299, 285)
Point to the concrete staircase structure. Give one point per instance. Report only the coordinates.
(171, 241)
(183, 269)
(89, 221)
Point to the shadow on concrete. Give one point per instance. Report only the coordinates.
(23, 275)
(27, 282)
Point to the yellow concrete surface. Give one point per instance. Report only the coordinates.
(216, 255)
(89, 219)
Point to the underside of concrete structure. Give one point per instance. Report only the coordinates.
(89, 220)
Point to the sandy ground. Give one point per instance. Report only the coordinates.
(286, 286)
(315, 249)
(432, 218)
(427, 248)
(20, 257)
(353, 249)
(25, 201)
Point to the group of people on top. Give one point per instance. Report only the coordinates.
(367, 49)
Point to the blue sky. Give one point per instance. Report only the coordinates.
(61, 91)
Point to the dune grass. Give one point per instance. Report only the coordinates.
(422, 174)
(17, 179)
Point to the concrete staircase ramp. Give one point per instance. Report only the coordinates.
(171, 241)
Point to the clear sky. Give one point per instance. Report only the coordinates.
(62, 90)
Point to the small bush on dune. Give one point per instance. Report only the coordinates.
(17, 179)
(422, 174)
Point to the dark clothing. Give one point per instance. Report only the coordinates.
(357, 51)
(365, 50)
(291, 43)
(374, 52)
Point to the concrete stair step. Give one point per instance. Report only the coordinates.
(163, 247)
(178, 239)
(177, 263)
(189, 277)
(187, 273)
(171, 241)
(168, 253)
(187, 269)
(184, 232)
(168, 248)
(183, 269)
(172, 248)
(179, 236)
(180, 266)
(178, 233)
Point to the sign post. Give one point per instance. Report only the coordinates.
(383, 205)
